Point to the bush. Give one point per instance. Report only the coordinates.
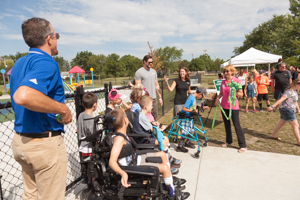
(8, 91)
(1, 93)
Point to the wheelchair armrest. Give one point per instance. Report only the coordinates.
(145, 146)
(138, 135)
(141, 170)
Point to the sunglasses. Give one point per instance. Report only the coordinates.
(57, 36)
(226, 71)
(150, 62)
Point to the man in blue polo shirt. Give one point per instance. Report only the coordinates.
(38, 95)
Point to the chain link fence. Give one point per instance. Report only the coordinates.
(10, 171)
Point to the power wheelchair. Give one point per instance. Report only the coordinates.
(104, 183)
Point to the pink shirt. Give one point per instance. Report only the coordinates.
(150, 117)
(225, 90)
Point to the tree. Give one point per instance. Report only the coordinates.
(295, 7)
(115, 67)
(98, 62)
(61, 62)
(196, 64)
(81, 60)
(132, 64)
(169, 56)
(17, 56)
(157, 64)
(183, 63)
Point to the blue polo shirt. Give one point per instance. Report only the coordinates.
(39, 71)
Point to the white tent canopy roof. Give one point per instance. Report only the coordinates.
(227, 63)
(254, 56)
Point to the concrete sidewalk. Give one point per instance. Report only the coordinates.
(222, 173)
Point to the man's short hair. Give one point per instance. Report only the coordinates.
(146, 58)
(89, 99)
(119, 115)
(145, 101)
(35, 30)
(280, 64)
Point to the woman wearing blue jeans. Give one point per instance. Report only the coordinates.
(287, 110)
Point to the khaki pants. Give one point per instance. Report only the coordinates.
(44, 166)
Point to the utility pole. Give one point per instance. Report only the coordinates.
(205, 61)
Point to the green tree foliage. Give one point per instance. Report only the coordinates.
(169, 56)
(17, 56)
(280, 35)
(114, 66)
(196, 64)
(81, 60)
(182, 63)
(132, 64)
(98, 63)
(216, 64)
(61, 62)
(295, 7)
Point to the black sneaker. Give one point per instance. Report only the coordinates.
(178, 181)
(189, 145)
(181, 149)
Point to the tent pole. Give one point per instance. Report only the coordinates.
(269, 67)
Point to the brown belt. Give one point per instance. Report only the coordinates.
(41, 135)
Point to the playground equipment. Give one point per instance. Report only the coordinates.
(80, 72)
(192, 136)
(69, 88)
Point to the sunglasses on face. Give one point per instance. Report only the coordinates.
(150, 62)
(56, 35)
(226, 71)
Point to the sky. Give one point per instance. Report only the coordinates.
(124, 26)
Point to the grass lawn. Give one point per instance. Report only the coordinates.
(257, 128)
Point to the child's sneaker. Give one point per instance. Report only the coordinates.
(174, 170)
(170, 190)
(246, 110)
(255, 111)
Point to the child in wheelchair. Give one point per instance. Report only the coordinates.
(122, 153)
(189, 107)
(143, 125)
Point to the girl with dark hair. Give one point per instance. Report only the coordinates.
(183, 87)
(287, 110)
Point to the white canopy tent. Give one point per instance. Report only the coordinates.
(254, 56)
(227, 63)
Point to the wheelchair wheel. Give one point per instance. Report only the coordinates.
(92, 196)
(205, 144)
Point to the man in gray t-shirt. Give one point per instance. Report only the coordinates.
(148, 78)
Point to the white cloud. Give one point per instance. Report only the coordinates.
(12, 36)
(216, 25)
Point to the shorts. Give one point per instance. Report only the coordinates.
(262, 97)
(278, 93)
(177, 109)
(141, 159)
(287, 114)
(186, 125)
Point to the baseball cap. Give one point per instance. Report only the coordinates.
(202, 90)
(113, 95)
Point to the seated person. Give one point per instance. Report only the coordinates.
(143, 125)
(119, 143)
(190, 106)
(87, 127)
(115, 99)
